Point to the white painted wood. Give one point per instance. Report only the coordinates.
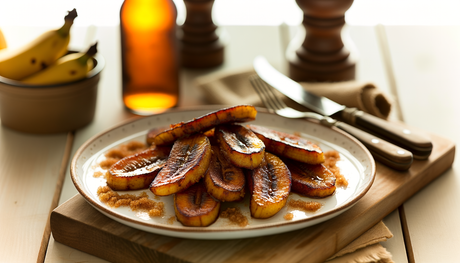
(29, 169)
(60, 253)
(395, 245)
(426, 61)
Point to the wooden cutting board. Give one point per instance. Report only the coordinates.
(78, 225)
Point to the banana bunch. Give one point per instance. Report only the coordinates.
(66, 69)
(38, 54)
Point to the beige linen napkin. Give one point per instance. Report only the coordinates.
(366, 248)
(232, 87)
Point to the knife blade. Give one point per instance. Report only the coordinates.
(411, 140)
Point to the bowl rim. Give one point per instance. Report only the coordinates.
(100, 64)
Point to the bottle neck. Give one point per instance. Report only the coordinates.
(148, 14)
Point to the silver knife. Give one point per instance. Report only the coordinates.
(417, 143)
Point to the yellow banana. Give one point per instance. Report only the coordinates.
(2, 41)
(38, 54)
(66, 69)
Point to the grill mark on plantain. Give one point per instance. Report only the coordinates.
(226, 171)
(243, 141)
(228, 176)
(270, 180)
(185, 154)
(198, 197)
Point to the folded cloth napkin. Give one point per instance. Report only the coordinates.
(232, 87)
(366, 248)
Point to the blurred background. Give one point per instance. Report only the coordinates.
(236, 12)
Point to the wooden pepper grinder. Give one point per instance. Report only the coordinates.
(322, 56)
(201, 47)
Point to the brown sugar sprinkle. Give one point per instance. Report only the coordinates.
(139, 202)
(115, 154)
(331, 163)
(306, 206)
(98, 174)
(125, 150)
(105, 164)
(341, 181)
(235, 216)
(289, 216)
(171, 220)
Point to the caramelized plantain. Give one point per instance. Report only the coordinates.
(224, 181)
(196, 207)
(270, 185)
(153, 132)
(240, 145)
(187, 163)
(211, 136)
(312, 180)
(137, 171)
(289, 145)
(240, 113)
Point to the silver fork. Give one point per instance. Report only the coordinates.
(383, 151)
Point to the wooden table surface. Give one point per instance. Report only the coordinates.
(417, 65)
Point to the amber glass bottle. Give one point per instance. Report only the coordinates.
(149, 51)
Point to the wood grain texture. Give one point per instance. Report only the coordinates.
(56, 196)
(77, 224)
(395, 245)
(29, 170)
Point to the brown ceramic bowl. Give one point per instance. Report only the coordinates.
(52, 108)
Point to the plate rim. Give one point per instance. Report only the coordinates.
(344, 207)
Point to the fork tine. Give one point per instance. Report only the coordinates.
(266, 93)
(255, 81)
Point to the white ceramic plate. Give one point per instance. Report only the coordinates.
(356, 164)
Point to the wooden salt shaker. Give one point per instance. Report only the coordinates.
(322, 56)
(201, 47)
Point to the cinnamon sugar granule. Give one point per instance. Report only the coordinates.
(331, 163)
(289, 216)
(139, 202)
(306, 206)
(235, 216)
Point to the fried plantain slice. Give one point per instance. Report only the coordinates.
(223, 180)
(312, 180)
(288, 145)
(154, 132)
(270, 185)
(187, 163)
(240, 113)
(137, 171)
(195, 206)
(240, 145)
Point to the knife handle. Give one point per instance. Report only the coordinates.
(409, 139)
(383, 151)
